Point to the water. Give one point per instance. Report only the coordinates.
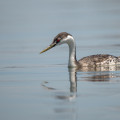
(34, 86)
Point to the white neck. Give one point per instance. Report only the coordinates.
(72, 51)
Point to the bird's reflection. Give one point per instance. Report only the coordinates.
(73, 86)
(73, 79)
(100, 74)
(98, 69)
(90, 74)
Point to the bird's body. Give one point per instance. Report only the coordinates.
(99, 60)
(93, 60)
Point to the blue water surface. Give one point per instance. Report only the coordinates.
(40, 86)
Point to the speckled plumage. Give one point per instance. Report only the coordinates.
(99, 60)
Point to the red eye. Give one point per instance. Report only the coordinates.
(58, 40)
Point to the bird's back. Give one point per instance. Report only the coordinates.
(99, 60)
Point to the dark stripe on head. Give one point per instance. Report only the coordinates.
(61, 36)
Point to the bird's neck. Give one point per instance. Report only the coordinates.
(72, 53)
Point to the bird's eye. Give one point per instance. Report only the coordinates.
(58, 40)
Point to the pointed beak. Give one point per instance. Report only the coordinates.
(51, 46)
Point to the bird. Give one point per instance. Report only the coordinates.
(89, 61)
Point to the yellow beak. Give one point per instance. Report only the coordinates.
(51, 46)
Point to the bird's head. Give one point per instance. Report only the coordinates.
(61, 38)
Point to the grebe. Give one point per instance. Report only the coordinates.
(89, 61)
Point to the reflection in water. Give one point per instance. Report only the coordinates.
(105, 77)
(73, 79)
(101, 77)
(86, 74)
(48, 88)
(90, 74)
(105, 73)
(73, 86)
(102, 68)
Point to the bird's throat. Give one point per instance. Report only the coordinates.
(72, 53)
